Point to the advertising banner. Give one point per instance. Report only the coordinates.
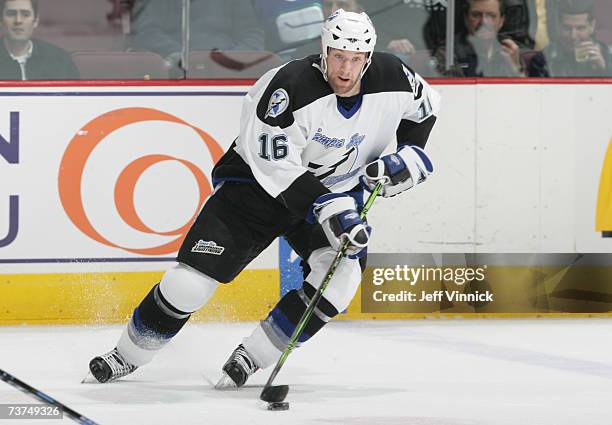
(93, 176)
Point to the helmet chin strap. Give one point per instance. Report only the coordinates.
(366, 65)
(324, 66)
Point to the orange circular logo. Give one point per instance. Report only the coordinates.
(75, 159)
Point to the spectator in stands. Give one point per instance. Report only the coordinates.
(521, 21)
(480, 51)
(574, 50)
(214, 24)
(23, 57)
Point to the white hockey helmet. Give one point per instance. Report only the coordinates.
(349, 31)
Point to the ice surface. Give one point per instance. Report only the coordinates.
(431, 372)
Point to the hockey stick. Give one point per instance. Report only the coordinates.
(277, 393)
(23, 387)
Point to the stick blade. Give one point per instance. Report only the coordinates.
(274, 393)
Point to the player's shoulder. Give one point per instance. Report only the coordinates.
(293, 86)
(387, 73)
(302, 80)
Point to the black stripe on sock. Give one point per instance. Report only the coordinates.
(152, 317)
(324, 306)
(293, 307)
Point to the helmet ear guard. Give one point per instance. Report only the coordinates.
(350, 31)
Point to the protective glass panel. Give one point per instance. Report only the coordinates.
(242, 39)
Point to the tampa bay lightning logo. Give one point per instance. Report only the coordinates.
(279, 101)
(355, 140)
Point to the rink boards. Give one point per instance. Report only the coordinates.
(101, 181)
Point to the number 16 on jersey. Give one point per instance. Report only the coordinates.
(275, 149)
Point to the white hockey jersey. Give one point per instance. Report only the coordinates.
(298, 141)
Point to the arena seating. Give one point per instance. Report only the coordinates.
(99, 65)
(80, 25)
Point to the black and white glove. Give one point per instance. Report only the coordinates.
(337, 214)
(398, 171)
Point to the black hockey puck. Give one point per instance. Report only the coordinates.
(278, 405)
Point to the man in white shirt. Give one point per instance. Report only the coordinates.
(21, 56)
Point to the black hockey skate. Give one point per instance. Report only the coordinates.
(110, 367)
(237, 369)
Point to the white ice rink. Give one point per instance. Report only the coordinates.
(432, 372)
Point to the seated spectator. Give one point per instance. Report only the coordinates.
(523, 20)
(480, 51)
(575, 50)
(23, 57)
(214, 24)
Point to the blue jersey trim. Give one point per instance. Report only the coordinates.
(348, 113)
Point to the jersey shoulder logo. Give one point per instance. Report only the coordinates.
(208, 247)
(279, 102)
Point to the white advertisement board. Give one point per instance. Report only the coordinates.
(107, 176)
(517, 170)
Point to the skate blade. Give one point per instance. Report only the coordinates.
(89, 379)
(225, 383)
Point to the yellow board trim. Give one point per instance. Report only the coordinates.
(603, 217)
(104, 298)
(100, 298)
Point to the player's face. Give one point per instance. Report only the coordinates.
(484, 19)
(18, 20)
(575, 29)
(343, 70)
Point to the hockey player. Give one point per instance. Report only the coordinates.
(309, 131)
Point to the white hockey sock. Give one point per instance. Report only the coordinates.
(131, 352)
(263, 352)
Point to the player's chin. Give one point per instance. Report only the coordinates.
(343, 86)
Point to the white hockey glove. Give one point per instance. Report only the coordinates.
(399, 171)
(337, 214)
